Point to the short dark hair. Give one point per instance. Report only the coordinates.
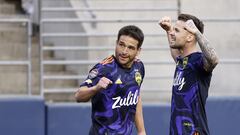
(199, 24)
(132, 31)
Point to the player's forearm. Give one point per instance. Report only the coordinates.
(139, 119)
(84, 94)
(210, 56)
(174, 52)
(142, 133)
(140, 125)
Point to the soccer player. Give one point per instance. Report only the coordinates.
(113, 85)
(192, 75)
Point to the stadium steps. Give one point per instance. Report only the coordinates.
(67, 87)
(13, 39)
(6, 8)
(155, 95)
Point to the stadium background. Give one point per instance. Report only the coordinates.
(43, 62)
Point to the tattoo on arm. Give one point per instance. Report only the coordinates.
(210, 56)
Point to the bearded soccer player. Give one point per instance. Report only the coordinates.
(192, 75)
(113, 85)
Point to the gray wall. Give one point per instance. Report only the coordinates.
(223, 36)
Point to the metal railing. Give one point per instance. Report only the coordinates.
(91, 10)
(26, 62)
(105, 47)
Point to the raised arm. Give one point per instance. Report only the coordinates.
(166, 24)
(139, 122)
(84, 93)
(210, 57)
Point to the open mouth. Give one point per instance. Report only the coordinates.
(123, 58)
(172, 41)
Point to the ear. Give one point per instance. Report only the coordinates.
(138, 52)
(190, 37)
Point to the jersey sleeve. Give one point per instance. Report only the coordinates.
(198, 65)
(143, 70)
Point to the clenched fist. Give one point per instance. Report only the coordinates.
(103, 83)
(166, 23)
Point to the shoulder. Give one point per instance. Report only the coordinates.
(103, 63)
(196, 56)
(138, 62)
(139, 65)
(104, 66)
(107, 60)
(195, 59)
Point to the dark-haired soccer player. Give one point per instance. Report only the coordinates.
(192, 75)
(113, 86)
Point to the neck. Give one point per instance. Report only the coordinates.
(188, 49)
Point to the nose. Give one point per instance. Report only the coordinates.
(125, 50)
(172, 32)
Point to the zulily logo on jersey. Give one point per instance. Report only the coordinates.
(131, 99)
(179, 80)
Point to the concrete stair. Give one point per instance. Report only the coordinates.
(113, 27)
(13, 33)
(13, 79)
(6, 8)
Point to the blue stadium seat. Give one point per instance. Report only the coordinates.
(22, 115)
(68, 119)
(223, 115)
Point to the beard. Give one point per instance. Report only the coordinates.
(126, 62)
(176, 46)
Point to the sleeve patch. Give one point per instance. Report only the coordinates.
(93, 73)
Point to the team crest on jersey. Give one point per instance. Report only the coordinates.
(185, 62)
(93, 74)
(138, 77)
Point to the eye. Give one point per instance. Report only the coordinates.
(131, 48)
(121, 44)
(177, 30)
